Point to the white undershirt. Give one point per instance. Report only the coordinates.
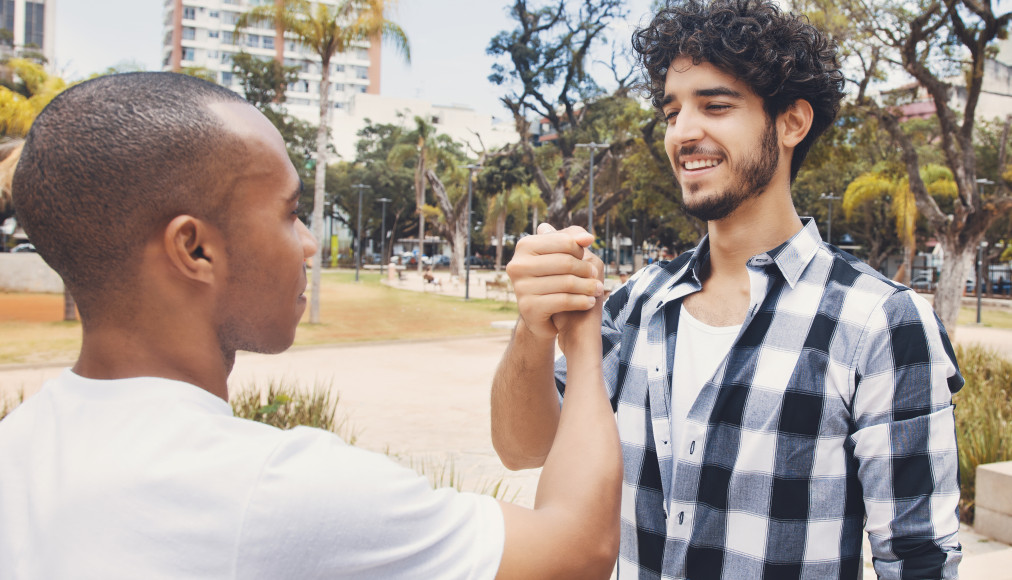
(699, 350)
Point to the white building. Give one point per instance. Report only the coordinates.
(29, 25)
(201, 33)
(463, 124)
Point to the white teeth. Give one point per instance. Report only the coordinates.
(691, 165)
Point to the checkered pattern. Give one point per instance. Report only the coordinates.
(831, 413)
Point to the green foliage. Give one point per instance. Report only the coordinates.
(443, 473)
(8, 404)
(983, 417)
(25, 95)
(263, 80)
(286, 405)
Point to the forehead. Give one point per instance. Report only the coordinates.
(684, 80)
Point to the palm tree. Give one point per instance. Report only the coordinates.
(885, 184)
(428, 151)
(327, 30)
(515, 202)
(33, 91)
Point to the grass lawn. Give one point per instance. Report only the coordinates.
(31, 331)
(989, 317)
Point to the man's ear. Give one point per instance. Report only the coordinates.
(795, 122)
(192, 247)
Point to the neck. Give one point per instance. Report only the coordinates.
(758, 225)
(118, 351)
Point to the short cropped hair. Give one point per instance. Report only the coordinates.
(782, 57)
(111, 161)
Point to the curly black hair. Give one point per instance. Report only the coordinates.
(782, 57)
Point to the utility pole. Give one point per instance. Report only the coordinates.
(358, 233)
(590, 198)
(467, 256)
(829, 198)
(383, 229)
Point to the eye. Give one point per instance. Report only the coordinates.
(670, 116)
(717, 107)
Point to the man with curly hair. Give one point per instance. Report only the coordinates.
(775, 397)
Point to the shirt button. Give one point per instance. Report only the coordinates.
(681, 517)
(659, 304)
(692, 447)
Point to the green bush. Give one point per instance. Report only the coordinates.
(7, 404)
(285, 406)
(983, 417)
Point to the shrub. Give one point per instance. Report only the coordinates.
(443, 473)
(7, 404)
(983, 417)
(286, 405)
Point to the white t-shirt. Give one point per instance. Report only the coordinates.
(153, 478)
(699, 350)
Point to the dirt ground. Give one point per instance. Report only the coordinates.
(31, 307)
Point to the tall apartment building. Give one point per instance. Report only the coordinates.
(28, 27)
(201, 33)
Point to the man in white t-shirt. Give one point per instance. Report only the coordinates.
(170, 208)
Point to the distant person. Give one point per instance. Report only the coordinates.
(170, 208)
(775, 397)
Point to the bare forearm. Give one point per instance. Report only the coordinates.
(576, 509)
(525, 404)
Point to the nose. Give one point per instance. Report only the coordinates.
(686, 128)
(309, 245)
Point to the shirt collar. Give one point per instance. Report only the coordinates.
(791, 258)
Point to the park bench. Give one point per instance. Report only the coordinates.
(499, 284)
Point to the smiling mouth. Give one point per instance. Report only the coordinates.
(696, 165)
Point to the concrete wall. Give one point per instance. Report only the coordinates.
(993, 515)
(26, 272)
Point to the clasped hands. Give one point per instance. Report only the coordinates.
(558, 283)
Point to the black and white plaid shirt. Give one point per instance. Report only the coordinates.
(830, 414)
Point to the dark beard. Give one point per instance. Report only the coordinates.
(752, 179)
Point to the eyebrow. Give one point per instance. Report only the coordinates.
(713, 92)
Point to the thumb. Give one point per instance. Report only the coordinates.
(545, 228)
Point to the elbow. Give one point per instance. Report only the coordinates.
(599, 560)
(513, 459)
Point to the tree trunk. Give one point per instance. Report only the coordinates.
(500, 234)
(957, 262)
(419, 202)
(320, 188)
(69, 307)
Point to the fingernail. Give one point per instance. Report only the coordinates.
(598, 289)
(591, 301)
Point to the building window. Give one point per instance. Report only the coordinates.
(252, 41)
(226, 58)
(226, 78)
(7, 15)
(189, 13)
(189, 33)
(268, 42)
(188, 54)
(339, 87)
(213, 14)
(231, 18)
(338, 68)
(340, 105)
(34, 23)
(212, 34)
(227, 37)
(362, 73)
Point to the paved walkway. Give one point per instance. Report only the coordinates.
(428, 402)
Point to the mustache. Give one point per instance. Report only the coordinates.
(699, 150)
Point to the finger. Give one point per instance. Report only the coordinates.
(553, 304)
(549, 285)
(579, 235)
(549, 243)
(551, 264)
(545, 228)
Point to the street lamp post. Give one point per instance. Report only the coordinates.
(980, 249)
(358, 233)
(383, 228)
(467, 256)
(607, 241)
(829, 197)
(632, 255)
(590, 198)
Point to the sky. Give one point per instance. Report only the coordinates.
(448, 41)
